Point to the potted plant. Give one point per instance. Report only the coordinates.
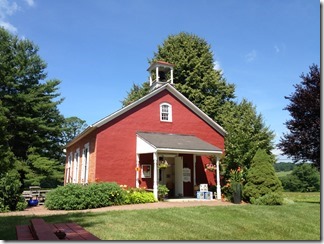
(237, 179)
(163, 164)
(162, 192)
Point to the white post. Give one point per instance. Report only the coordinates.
(194, 169)
(155, 185)
(151, 80)
(171, 75)
(218, 188)
(157, 73)
(137, 171)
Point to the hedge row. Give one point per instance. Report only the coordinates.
(94, 195)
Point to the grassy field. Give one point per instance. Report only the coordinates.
(298, 220)
(283, 173)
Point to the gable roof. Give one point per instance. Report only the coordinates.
(177, 142)
(123, 110)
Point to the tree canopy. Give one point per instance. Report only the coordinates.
(246, 134)
(72, 126)
(196, 78)
(302, 142)
(30, 122)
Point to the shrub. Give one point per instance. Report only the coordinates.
(76, 196)
(304, 178)
(10, 192)
(261, 178)
(22, 204)
(162, 191)
(137, 195)
(268, 199)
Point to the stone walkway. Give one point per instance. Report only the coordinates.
(41, 210)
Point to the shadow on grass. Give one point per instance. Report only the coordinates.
(8, 223)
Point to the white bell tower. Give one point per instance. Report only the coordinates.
(163, 73)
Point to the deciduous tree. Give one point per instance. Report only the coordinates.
(302, 142)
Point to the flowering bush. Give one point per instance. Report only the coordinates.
(233, 187)
(210, 167)
(236, 176)
(163, 164)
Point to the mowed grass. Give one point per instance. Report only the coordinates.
(297, 221)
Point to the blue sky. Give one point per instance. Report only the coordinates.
(99, 48)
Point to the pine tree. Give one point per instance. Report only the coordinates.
(29, 106)
(261, 177)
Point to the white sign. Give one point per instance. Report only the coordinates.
(186, 175)
(204, 187)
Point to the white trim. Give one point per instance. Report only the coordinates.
(155, 175)
(143, 146)
(168, 112)
(68, 168)
(76, 165)
(85, 164)
(218, 186)
(198, 152)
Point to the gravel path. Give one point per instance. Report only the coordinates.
(41, 210)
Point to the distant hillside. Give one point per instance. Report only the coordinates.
(284, 166)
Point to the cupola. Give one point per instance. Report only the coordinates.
(160, 73)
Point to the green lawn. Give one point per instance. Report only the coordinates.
(299, 220)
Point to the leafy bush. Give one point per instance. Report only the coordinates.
(304, 178)
(162, 191)
(10, 192)
(261, 178)
(137, 195)
(22, 204)
(76, 196)
(268, 199)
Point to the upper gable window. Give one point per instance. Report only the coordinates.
(166, 112)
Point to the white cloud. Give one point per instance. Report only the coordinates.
(277, 49)
(8, 26)
(217, 65)
(7, 9)
(30, 3)
(251, 56)
(280, 157)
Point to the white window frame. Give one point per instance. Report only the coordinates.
(68, 168)
(76, 166)
(168, 113)
(85, 164)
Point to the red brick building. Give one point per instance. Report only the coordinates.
(130, 145)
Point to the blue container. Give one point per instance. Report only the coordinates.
(32, 202)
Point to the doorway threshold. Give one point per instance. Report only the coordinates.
(186, 199)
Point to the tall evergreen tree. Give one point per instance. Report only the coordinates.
(261, 177)
(196, 78)
(194, 73)
(30, 111)
(303, 140)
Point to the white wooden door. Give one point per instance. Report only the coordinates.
(178, 175)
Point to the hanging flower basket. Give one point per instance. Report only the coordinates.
(163, 164)
(210, 167)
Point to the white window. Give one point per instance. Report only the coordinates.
(76, 166)
(165, 112)
(68, 169)
(85, 164)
